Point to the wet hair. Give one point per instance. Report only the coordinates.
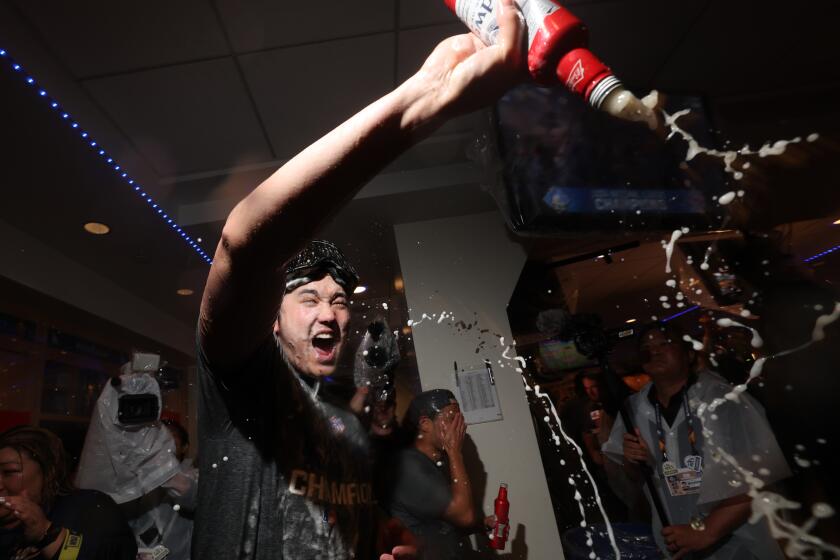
(46, 449)
(317, 259)
(427, 404)
(176, 427)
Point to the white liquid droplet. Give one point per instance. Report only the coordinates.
(727, 198)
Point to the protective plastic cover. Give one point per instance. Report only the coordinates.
(126, 461)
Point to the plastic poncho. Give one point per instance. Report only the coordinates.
(740, 429)
(126, 461)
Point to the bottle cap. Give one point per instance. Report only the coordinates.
(602, 89)
(582, 72)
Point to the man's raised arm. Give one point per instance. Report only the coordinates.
(278, 217)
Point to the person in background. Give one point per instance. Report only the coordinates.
(42, 515)
(182, 440)
(588, 422)
(379, 415)
(589, 388)
(175, 501)
(703, 459)
(430, 491)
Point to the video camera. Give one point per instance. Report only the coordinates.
(144, 407)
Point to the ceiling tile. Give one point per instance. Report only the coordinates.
(424, 12)
(94, 37)
(264, 24)
(303, 92)
(185, 118)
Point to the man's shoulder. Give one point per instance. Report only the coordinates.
(265, 356)
(412, 462)
(641, 397)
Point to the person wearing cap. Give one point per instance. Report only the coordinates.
(283, 474)
(431, 493)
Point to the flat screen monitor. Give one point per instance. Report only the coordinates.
(569, 168)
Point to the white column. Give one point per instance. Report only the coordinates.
(468, 265)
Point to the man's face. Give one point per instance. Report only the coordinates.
(312, 326)
(444, 420)
(593, 391)
(663, 358)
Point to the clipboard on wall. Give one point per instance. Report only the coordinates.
(477, 394)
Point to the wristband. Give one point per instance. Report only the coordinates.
(71, 547)
(49, 537)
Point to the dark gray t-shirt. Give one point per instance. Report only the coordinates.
(419, 497)
(283, 475)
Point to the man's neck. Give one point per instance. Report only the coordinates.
(667, 388)
(426, 448)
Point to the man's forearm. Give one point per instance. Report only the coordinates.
(461, 510)
(728, 516)
(275, 219)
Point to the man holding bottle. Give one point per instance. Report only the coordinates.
(274, 319)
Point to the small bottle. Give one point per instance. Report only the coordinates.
(557, 52)
(501, 527)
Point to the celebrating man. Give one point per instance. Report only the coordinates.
(283, 473)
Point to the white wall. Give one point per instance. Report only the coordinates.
(468, 265)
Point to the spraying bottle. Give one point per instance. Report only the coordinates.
(502, 525)
(557, 52)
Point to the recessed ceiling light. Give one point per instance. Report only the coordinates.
(199, 239)
(96, 228)
(360, 289)
(185, 292)
(630, 321)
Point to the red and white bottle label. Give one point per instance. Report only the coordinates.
(480, 16)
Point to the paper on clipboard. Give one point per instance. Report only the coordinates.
(477, 394)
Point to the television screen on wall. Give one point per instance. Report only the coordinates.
(570, 168)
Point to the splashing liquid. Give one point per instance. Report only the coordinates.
(569, 441)
(669, 249)
(519, 364)
(729, 157)
(800, 543)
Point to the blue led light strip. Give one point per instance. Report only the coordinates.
(822, 254)
(681, 313)
(9, 62)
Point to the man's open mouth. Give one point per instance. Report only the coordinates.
(325, 345)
